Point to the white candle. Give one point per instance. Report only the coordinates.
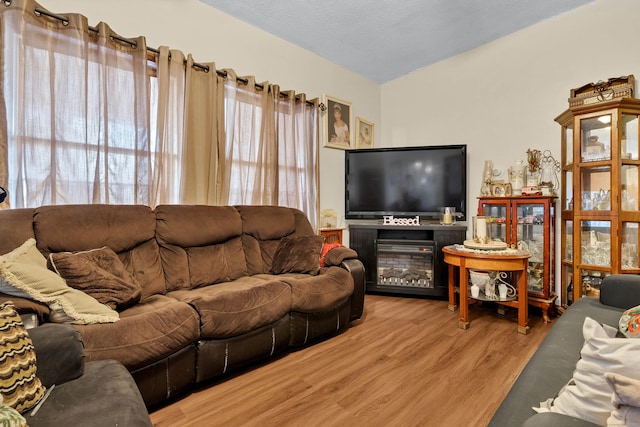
(481, 228)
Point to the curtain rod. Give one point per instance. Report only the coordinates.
(205, 68)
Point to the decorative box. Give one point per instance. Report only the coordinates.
(591, 93)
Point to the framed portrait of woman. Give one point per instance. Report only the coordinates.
(337, 124)
(364, 133)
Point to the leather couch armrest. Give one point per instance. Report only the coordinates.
(59, 353)
(338, 254)
(620, 290)
(27, 306)
(356, 269)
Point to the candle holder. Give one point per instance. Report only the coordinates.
(448, 216)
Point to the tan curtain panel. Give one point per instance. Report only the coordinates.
(204, 115)
(167, 159)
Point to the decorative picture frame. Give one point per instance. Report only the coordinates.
(497, 190)
(508, 190)
(364, 133)
(337, 124)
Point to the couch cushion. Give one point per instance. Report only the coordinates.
(105, 396)
(313, 294)
(99, 273)
(17, 227)
(149, 331)
(129, 230)
(216, 263)
(234, 308)
(263, 227)
(298, 254)
(204, 249)
(187, 226)
(267, 222)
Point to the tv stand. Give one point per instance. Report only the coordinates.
(405, 260)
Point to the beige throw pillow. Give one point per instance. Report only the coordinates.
(24, 273)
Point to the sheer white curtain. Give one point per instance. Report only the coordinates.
(298, 153)
(271, 146)
(81, 126)
(250, 149)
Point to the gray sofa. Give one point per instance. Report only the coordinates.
(98, 394)
(552, 365)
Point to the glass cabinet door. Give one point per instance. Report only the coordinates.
(629, 187)
(568, 144)
(629, 141)
(530, 236)
(629, 249)
(497, 213)
(595, 247)
(595, 188)
(595, 140)
(568, 242)
(567, 195)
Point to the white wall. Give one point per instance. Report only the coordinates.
(501, 98)
(212, 36)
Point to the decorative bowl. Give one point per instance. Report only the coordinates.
(479, 278)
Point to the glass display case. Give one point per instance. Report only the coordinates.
(529, 223)
(599, 194)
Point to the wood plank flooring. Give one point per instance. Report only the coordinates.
(406, 363)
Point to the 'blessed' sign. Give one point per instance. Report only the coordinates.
(391, 220)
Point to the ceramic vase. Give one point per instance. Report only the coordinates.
(517, 176)
(487, 178)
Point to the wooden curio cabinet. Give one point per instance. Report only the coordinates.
(527, 221)
(599, 203)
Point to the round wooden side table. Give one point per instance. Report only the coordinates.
(487, 260)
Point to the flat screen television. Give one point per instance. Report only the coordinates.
(406, 181)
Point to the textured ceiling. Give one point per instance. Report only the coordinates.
(385, 39)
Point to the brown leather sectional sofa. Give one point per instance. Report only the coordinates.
(210, 302)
